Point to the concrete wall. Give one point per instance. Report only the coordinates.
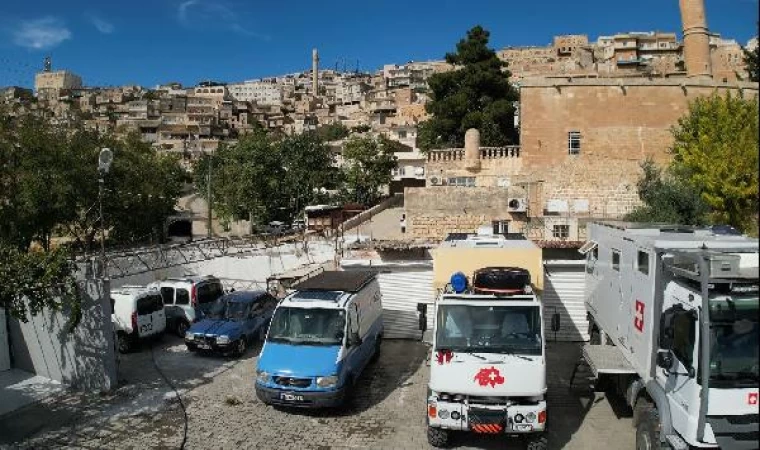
(247, 271)
(83, 359)
(447, 261)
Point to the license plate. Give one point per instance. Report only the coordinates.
(204, 346)
(291, 397)
(523, 427)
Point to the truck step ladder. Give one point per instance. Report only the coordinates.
(602, 359)
(676, 442)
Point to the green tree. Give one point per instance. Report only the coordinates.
(33, 281)
(667, 200)
(332, 132)
(266, 178)
(477, 94)
(368, 165)
(716, 153)
(752, 59)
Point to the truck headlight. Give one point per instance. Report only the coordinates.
(262, 376)
(327, 382)
(443, 414)
(531, 417)
(189, 336)
(223, 340)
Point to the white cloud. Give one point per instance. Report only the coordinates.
(39, 34)
(102, 25)
(198, 14)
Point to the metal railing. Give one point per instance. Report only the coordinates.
(484, 153)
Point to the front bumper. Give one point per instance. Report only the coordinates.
(300, 398)
(199, 345)
(493, 419)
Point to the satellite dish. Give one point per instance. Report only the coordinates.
(104, 160)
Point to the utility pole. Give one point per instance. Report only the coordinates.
(208, 195)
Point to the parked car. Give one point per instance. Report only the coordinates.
(276, 227)
(187, 299)
(234, 321)
(321, 338)
(299, 225)
(137, 313)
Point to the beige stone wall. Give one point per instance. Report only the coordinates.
(433, 212)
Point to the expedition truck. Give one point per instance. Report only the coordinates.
(488, 360)
(673, 314)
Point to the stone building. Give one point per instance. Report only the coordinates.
(583, 140)
(56, 81)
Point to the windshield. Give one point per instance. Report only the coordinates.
(490, 329)
(229, 310)
(734, 341)
(314, 326)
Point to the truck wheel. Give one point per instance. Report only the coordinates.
(536, 442)
(123, 342)
(648, 431)
(437, 437)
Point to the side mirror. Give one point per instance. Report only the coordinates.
(555, 322)
(422, 309)
(665, 359)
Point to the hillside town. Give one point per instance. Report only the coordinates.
(538, 247)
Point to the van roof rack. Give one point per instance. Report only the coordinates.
(334, 280)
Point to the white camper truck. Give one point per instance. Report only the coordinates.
(674, 314)
(488, 360)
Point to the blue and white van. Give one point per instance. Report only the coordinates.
(320, 339)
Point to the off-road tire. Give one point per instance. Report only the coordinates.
(182, 327)
(437, 437)
(123, 342)
(536, 442)
(648, 431)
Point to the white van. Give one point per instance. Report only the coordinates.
(187, 299)
(137, 313)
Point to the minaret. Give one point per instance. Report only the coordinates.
(696, 41)
(315, 72)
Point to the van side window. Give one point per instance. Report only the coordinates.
(591, 258)
(167, 293)
(616, 260)
(642, 262)
(353, 320)
(183, 297)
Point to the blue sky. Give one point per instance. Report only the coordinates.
(153, 41)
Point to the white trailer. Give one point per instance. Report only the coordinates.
(673, 317)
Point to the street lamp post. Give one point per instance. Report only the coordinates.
(105, 158)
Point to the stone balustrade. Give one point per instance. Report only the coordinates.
(486, 153)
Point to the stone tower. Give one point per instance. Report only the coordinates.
(696, 42)
(315, 72)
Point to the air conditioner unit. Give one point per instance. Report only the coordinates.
(435, 181)
(517, 204)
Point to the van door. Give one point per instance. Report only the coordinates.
(168, 296)
(146, 305)
(158, 317)
(358, 354)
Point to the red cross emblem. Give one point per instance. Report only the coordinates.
(638, 320)
(752, 398)
(443, 356)
(489, 376)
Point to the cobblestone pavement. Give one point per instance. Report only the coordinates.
(387, 412)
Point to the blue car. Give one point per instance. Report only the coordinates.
(234, 321)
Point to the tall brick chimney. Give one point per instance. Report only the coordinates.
(315, 72)
(696, 42)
